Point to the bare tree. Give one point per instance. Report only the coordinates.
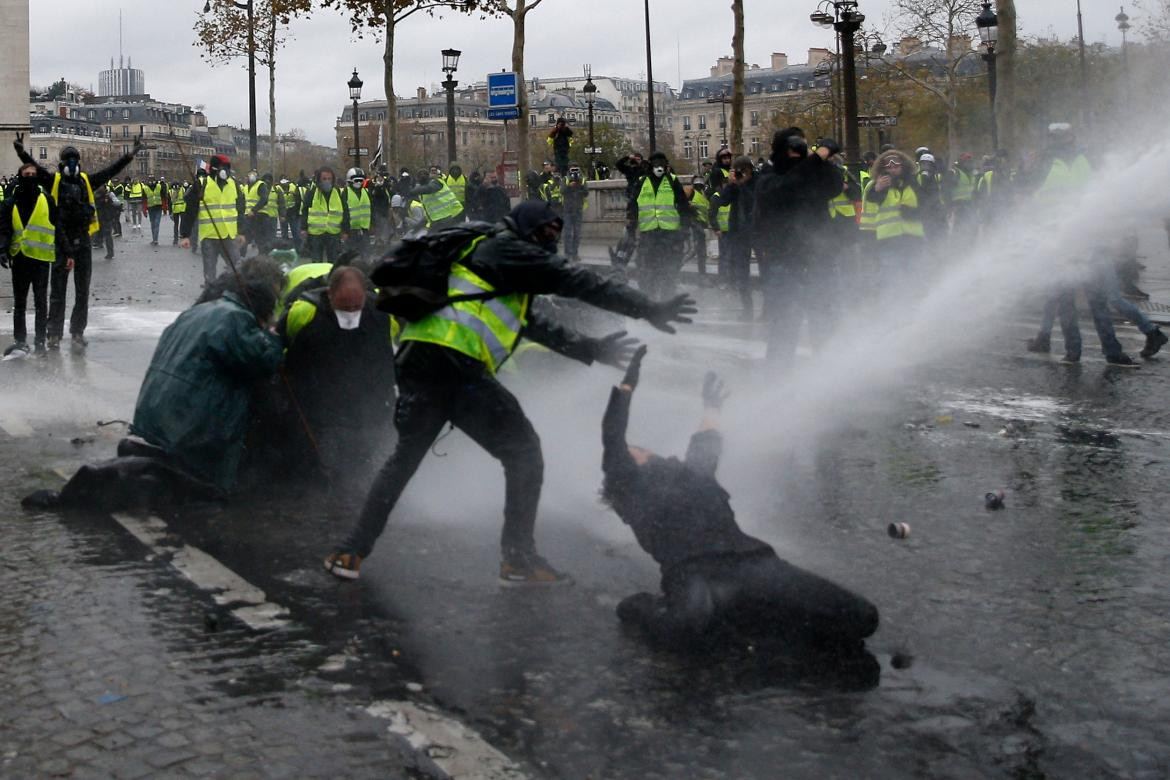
(381, 18)
(737, 78)
(946, 25)
(1005, 55)
(1155, 24)
(517, 11)
(222, 34)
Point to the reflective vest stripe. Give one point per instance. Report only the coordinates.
(178, 200)
(325, 213)
(218, 210)
(656, 209)
(359, 211)
(38, 239)
(441, 205)
(458, 186)
(153, 195)
(461, 286)
(841, 206)
(894, 218)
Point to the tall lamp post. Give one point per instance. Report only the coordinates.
(248, 7)
(988, 25)
(355, 94)
(590, 90)
(1084, 67)
(1122, 20)
(722, 100)
(650, 84)
(846, 20)
(450, 65)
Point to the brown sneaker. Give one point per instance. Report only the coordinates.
(343, 565)
(520, 569)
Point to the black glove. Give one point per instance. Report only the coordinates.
(634, 371)
(615, 349)
(674, 310)
(18, 144)
(138, 144)
(714, 394)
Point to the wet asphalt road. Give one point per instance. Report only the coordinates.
(1030, 642)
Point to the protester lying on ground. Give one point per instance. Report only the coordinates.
(716, 580)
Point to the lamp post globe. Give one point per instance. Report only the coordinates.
(355, 94)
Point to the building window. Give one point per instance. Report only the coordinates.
(125, 131)
(688, 147)
(755, 119)
(755, 146)
(125, 113)
(142, 166)
(686, 123)
(702, 121)
(43, 153)
(109, 113)
(703, 148)
(465, 138)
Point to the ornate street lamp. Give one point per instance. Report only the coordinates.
(248, 6)
(988, 25)
(590, 90)
(450, 65)
(355, 94)
(846, 20)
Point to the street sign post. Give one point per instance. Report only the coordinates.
(503, 90)
(503, 113)
(362, 152)
(877, 120)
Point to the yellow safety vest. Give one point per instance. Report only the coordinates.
(154, 195)
(485, 330)
(217, 209)
(359, 208)
(252, 197)
(94, 225)
(136, 191)
(325, 213)
(441, 205)
(1063, 180)
(458, 186)
(893, 216)
(178, 200)
(701, 204)
(842, 207)
(37, 239)
(656, 210)
(964, 187)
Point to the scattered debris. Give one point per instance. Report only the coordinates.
(944, 419)
(110, 698)
(993, 500)
(971, 424)
(898, 530)
(77, 441)
(900, 660)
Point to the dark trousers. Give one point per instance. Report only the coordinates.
(176, 219)
(1063, 304)
(433, 391)
(724, 258)
(29, 273)
(739, 269)
(106, 236)
(659, 261)
(263, 232)
(793, 293)
(358, 241)
(155, 214)
(572, 233)
(754, 595)
(324, 248)
(59, 285)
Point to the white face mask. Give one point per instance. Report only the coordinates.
(348, 320)
(659, 170)
(251, 178)
(223, 174)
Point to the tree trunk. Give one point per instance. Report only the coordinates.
(390, 141)
(522, 90)
(1005, 62)
(737, 79)
(272, 94)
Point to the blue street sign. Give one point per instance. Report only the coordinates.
(503, 90)
(504, 113)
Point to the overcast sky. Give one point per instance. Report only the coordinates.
(80, 36)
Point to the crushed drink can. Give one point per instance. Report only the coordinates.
(993, 500)
(898, 530)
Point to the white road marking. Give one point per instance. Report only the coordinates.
(456, 750)
(251, 605)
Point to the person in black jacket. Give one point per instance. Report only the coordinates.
(29, 272)
(792, 221)
(71, 191)
(439, 384)
(715, 578)
(740, 193)
(492, 201)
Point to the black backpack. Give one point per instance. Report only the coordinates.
(412, 279)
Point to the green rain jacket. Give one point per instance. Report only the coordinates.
(194, 402)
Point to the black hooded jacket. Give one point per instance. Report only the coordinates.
(792, 211)
(513, 264)
(676, 508)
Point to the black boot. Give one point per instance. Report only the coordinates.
(1040, 344)
(1154, 341)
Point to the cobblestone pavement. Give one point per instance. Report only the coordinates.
(115, 666)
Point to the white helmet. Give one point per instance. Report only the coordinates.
(355, 173)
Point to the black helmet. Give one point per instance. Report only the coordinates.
(70, 151)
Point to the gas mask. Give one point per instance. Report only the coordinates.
(251, 178)
(223, 173)
(71, 167)
(348, 320)
(327, 186)
(659, 171)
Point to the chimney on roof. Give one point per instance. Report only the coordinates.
(959, 45)
(723, 66)
(817, 56)
(422, 94)
(909, 45)
(779, 60)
